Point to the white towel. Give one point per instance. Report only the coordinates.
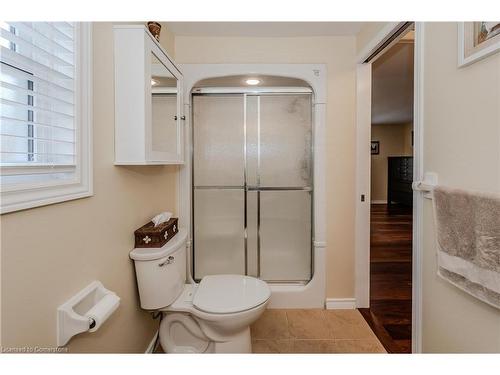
(161, 218)
(468, 237)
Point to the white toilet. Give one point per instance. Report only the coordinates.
(213, 316)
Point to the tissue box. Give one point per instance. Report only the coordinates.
(150, 236)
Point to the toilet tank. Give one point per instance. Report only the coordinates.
(161, 272)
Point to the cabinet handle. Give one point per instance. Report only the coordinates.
(182, 118)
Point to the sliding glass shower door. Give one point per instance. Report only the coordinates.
(252, 185)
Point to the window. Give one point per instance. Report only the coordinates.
(45, 113)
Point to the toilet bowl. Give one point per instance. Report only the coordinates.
(213, 316)
(217, 313)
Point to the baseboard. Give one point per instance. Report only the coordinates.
(378, 202)
(151, 347)
(340, 303)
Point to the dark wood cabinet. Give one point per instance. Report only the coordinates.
(399, 180)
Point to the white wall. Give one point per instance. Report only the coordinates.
(462, 144)
(367, 33)
(50, 253)
(338, 54)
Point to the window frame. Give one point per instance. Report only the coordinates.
(24, 196)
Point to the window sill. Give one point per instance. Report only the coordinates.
(36, 197)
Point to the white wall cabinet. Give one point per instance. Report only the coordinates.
(149, 123)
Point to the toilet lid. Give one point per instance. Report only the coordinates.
(223, 294)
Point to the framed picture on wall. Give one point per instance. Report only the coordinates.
(375, 147)
(476, 40)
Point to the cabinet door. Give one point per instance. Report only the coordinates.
(165, 135)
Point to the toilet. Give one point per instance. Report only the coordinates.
(213, 316)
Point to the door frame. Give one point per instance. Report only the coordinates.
(363, 174)
(311, 295)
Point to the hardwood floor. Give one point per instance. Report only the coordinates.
(389, 314)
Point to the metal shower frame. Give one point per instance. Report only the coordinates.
(254, 91)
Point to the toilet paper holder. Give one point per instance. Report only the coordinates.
(85, 311)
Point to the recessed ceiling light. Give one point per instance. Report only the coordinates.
(154, 82)
(252, 81)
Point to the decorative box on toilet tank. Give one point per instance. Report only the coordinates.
(150, 236)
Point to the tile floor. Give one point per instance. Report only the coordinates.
(313, 331)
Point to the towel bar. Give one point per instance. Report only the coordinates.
(427, 185)
(422, 186)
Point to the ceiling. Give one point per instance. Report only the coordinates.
(264, 29)
(392, 85)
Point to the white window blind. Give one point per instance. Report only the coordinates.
(40, 103)
(37, 96)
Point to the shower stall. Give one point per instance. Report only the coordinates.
(252, 179)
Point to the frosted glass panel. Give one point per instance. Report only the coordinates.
(252, 233)
(285, 140)
(267, 140)
(285, 235)
(218, 140)
(219, 232)
(252, 122)
(164, 131)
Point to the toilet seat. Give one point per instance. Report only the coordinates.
(221, 295)
(227, 294)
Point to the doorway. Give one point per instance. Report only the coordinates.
(389, 306)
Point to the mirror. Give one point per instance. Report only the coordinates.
(165, 135)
